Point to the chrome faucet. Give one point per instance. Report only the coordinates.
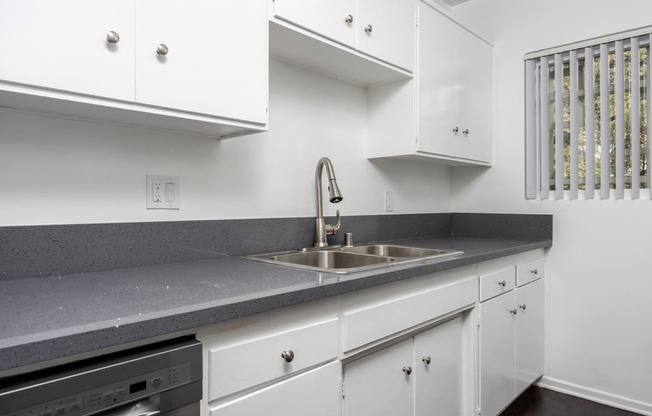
(322, 230)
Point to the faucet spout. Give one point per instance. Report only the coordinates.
(322, 230)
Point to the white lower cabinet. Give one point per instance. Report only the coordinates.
(511, 338)
(315, 393)
(379, 384)
(419, 376)
(408, 348)
(438, 355)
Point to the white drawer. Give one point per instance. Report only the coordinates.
(530, 271)
(366, 325)
(237, 367)
(314, 393)
(497, 283)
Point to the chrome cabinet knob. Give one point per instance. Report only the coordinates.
(112, 37)
(534, 271)
(456, 130)
(523, 306)
(465, 132)
(426, 360)
(348, 19)
(407, 370)
(513, 311)
(288, 356)
(162, 49)
(502, 283)
(368, 29)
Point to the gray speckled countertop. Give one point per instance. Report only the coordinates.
(48, 318)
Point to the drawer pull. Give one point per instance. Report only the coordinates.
(534, 271)
(407, 370)
(513, 311)
(426, 360)
(348, 19)
(502, 283)
(368, 29)
(162, 49)
(288, 356)
(523, 306)
(112, 37)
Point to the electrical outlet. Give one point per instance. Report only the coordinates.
(163, 192)
(389, 201)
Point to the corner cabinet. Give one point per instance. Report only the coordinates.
(445, 115)
(165, 63)
(511, 334)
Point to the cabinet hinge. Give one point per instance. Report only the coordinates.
(478, 321)
(416, 20)
(342, 391)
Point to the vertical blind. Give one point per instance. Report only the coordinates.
(587, 119)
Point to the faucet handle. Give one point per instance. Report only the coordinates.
(331, 229)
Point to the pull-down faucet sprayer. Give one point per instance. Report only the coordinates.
(322, 230)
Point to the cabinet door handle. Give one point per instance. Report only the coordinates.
(523, 306)
(162, 49)
(407, 370)
(465, 132)
(112, 37)
(426, 360)
(502, 283)
(288, 356)
(513, 311)
(534, 271)
(456, 130)
(348, 19)
(368, 29)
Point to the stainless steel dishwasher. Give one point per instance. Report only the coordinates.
(163, 379)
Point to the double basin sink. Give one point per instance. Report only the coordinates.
(346, 259)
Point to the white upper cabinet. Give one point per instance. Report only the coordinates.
(386, 31)
(367, 42)
(455, 90)
(213, 64)
(63, 45)
(445, 114)
(334, 19)
(199, 66)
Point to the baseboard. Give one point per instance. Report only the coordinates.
(598, 396)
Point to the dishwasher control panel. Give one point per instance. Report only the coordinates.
(137, 381)
(111, 395)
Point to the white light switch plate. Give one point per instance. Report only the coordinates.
(163, 192)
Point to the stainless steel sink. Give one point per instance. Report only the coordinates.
(398, 251)
(338, 259)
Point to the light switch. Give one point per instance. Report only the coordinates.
(163, 192)
(169, 192)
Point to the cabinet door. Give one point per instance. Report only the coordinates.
(497, 356)
(455, 89)
(377, 385)
(327, 18)
(391, 37)
(63, 45)
(438, 370)
(217, 60)
(315, 393)
(530, 301)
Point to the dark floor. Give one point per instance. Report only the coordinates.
(536, 401)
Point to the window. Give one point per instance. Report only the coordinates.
(588, 119)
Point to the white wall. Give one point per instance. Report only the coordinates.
(58, 171)
(599, 332)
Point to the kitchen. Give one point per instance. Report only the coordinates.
(62, 170)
